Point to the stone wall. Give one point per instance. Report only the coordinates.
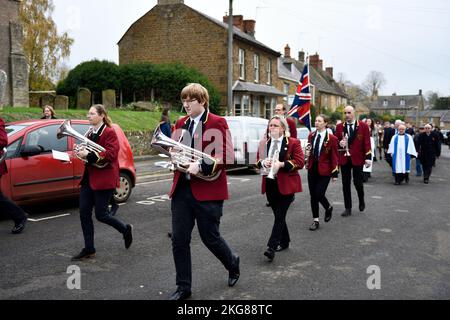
(140, 142)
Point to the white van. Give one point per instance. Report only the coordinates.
(246, 132)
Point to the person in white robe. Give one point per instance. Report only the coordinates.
(402, 149)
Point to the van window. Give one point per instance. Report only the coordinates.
(256, 131)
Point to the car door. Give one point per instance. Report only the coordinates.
(78, 165)
(41, 176)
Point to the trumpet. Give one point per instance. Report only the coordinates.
(272, 174)
(66, 130)
(180, 155)
(347, 151)
(3, 154)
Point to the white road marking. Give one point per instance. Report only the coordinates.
(48, 218)
(240, 179)
(400, 210)
(152, 182)
(377, 197)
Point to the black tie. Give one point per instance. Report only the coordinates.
(350, 129)
(191, 130)
(316, 147)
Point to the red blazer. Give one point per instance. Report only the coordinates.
(359, 144)
(328, 159)
(211, 128)
(292, 127)
(288, 178)
(3, 143)
(108, 177)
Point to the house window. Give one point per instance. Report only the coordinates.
(402, 102)
(385, 103)
(269, 71)
(256, 67)
(242, 64)
(286, 88)
(267, 108)
(245, 105)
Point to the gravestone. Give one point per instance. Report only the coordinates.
(109, 98)
(47, 100)
(84, 98)
(3, 78)
(61, 103)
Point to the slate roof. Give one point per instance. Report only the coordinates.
(241, 86)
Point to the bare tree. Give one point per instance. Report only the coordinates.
(374, 82)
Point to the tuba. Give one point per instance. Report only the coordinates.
(3, 154)
(180, 154)
(66, 130)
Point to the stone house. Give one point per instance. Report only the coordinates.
(173, 32)
(326, 93)
(12, 57)
(440, 118)
(397, 105)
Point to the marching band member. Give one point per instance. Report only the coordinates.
(198, 200)
(322, 166)
(354, 137)
(99, 184)
(280, 190)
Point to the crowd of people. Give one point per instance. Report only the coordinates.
(199, 190)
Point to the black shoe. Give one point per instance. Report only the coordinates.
(362, 206)
(114, 208)
(128, 236)
(425, 181)
(281, 247)
(169, 234)
(180, 295)
(270, 254)
(18, 227)
(83, 255)
(328, 214)
(314, 226)
(346, 213)
(396, 183)
(234, 273)
(267, 204)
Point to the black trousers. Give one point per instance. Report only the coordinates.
(427, 171)
(357, 181)
(317, 188)
(100, 200)
(280, 205)
(11, 209)
(185, 211)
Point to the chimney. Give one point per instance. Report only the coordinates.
(168, 2)
(420, 92)
(238, 21)
(287, 51)
(394, 94)
(301, 56)
(320, 64)
(375, 94)
(249, 27)
(329, 70)
(314, 61)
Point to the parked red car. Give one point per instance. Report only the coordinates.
(35, 176)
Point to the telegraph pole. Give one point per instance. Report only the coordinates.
(230, 59)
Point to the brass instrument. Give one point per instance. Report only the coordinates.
(180, 155)
(272, 174)
(347, 151)
(3, 154)
(66, 130)
(308, 149)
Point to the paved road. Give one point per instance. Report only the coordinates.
(405, 232)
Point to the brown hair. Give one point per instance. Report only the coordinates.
(101, 110)
(196, 91)
(325, 118)
(52, 111)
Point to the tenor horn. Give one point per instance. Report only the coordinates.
(66, 130)
(3, 154)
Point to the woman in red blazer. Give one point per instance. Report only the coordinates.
(99, 184)
(280, 190)
(322, 166)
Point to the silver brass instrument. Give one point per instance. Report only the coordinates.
(3, 154)
(347, 152)
(66, 130)
(308, 149)
(272, 174)
(180, 155)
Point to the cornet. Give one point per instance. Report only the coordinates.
(308, 149)
(270, 172)
(180, 155)
(347, 151)
(66, 130)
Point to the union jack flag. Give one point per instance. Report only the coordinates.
(301, 106)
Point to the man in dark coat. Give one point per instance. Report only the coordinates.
(428, 151)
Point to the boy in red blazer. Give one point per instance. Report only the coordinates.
(280, 190)
(355, 136)
(322, 166)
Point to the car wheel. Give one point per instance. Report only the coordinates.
(124, 191)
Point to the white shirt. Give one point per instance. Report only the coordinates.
(280, 140)
(196, 121)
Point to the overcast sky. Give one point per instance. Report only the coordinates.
(407, 40)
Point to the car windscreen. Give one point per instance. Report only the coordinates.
(12, 129)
